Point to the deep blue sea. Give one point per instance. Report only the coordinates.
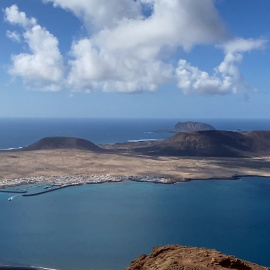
(19, 132)
(104, 227)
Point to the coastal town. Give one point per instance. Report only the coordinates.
(59, 180)
(52, 183)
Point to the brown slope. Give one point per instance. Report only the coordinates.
(215, 143)
(176, 257)
(260, 140)
(63, 143)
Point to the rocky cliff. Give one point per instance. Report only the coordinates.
(176, 257)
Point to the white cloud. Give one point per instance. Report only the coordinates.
(191, 79)
(100, 13)
(226, 78)
(43, 65)
(239, 45)
(13, 35)
(92, 68)
(173, 23)
(127, 51)
(14, 16)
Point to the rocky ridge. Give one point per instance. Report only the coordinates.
(211, 143)
(208, 143)
(175, 257)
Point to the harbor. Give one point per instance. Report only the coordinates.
(33, 186)
(56, 181)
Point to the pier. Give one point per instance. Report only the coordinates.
(49, 190)
(12, 191)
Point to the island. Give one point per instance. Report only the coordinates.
(187, 126)
(200, 155)
(192, 126)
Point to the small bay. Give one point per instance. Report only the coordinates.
(105, 226)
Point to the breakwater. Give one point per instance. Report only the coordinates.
(49, 190)
(12, 191)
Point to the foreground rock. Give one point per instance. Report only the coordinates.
(176, 257)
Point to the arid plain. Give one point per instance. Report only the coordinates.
(57, 162)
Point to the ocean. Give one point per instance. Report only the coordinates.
(104, 227)
(19, 132)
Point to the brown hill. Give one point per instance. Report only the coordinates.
(212, 143)
(63, 143)
(176, 257)
(260, 140)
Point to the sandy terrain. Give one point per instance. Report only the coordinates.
(18, 164)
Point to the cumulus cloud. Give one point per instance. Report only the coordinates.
(92, 68)
(226, 78)
(13, 35)
(172, 24)
(127, 47)
(100, 14)
(43, 65)
(239, 45)
(14, 16)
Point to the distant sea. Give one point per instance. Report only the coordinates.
(104, 227)
(19, 132)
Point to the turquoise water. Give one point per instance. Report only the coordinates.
(102, 227)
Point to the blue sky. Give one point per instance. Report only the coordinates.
(139, 59)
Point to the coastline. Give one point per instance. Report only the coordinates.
(77, 167)
(57, 185)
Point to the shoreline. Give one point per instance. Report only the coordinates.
(141, 179)
(65, 167)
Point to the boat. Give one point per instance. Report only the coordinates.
(10, 199)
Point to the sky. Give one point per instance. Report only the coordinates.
(185, 59)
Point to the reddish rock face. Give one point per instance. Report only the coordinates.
(176, 257)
